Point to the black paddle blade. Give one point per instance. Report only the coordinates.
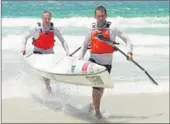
(151, 78)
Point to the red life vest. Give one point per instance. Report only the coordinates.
(98, 46)
(45, 40)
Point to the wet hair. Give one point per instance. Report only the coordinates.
(46, 12)
(101, 8)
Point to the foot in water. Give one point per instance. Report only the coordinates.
(49, 94)
(92, 110)
(98, 115)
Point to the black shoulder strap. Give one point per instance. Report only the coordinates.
(52, 25)
(108, 24)
(39, 24)
(93, 25)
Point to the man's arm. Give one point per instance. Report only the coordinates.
(63, 42)
(28, 35)
(125, 38)
(85, 45)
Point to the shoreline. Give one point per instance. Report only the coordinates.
(117, 108)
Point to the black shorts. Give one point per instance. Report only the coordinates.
(37, 52)
(108, 67)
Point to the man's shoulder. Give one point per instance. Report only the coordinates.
(89, 31)
(56, 29)
(116, 28)
(35, 26)
(54, 26)
(91, 27)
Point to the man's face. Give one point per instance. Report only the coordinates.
(46, 18)
(100, 17)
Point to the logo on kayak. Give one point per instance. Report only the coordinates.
(85, 66)
(96, 80)
(91, 68)
(73, 68)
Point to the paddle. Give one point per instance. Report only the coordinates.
(116, 48)
(75, 51)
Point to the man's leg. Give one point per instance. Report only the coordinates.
(47, 84)
(40, 51)
(97, 94)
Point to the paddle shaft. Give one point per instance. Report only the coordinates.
(137, 65)
(75, 51)
(116, 48)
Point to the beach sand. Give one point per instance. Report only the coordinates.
(126, 108)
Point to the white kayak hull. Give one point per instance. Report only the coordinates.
(69, 70)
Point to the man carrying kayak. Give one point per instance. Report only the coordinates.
(101, 52)
(43, 40)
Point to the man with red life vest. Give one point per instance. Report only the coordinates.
(43, 40)
(101, 52)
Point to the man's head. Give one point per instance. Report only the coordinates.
(100, 15)
(46, 17)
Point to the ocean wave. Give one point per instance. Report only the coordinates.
(86, 22)
(14, 43)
